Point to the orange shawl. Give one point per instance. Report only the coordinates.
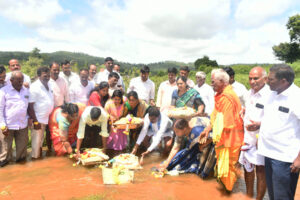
(229, 105)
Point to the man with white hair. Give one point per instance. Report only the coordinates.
(206, 92)
(227, 126)
(254, 109)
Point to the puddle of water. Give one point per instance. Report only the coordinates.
(56, 178)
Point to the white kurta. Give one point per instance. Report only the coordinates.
(279, 135)
(254, 110)
(164, 95)
(208, 96)
(79, 93)
(145, 90)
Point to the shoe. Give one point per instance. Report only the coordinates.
(3, 163)
(21, 160)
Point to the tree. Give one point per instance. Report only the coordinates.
(30, 66)
(290, 52)
(205, 64)
(35, 53)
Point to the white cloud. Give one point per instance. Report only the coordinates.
(152, 31)
(253, 13)
(31, 13)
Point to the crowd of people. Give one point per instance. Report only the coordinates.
(257, 128)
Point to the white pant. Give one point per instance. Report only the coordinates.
(37, 139)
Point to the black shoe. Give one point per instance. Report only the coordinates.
(20, 160)
(3, 163)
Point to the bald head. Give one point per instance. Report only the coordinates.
(14, 65)
(17, 80)
(259, 70)
(257, 78)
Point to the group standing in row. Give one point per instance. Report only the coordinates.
(258, 128)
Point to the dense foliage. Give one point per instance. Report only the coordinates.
(290, 52)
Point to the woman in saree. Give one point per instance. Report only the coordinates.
(137, 108)
(186, 96)
(99, 95)
(193, 158)
(63, 126)
(117, 140)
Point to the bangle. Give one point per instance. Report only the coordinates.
(36, 123)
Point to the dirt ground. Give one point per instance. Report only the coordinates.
(56, 178)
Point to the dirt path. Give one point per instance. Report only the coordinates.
(55, 178)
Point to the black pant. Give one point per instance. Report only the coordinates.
(92, 139)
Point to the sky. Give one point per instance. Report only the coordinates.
(147, 31)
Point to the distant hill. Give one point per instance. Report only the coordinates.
(83, 60)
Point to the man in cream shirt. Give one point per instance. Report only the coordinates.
(92, 126)
(165, 90)
(58, 85)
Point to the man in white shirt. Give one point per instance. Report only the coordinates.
(117, 68)
(206, 92)
(58, 85)
(41, 104)
(113, 79)
(80, 91)
(15, 66)
(165, 90)
(67, 74)
(92, 125)
(93, 73)
(144, 87)
(254, 107)
(156, 126)
(103, 75)
(2, 76)
(279, 135)
(184, 71)
(14, 99)
(237, 87)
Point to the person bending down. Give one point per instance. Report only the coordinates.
(193, 158)
(92, 125)
(156, 126)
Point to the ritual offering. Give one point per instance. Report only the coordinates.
(183, 112)
(128, 122)
(117, 175)
(92, 156)
(127, 161)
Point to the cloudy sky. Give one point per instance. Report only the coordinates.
(229, 31)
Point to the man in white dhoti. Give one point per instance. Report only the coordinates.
(254, 108)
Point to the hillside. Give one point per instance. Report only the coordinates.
(83, 60)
